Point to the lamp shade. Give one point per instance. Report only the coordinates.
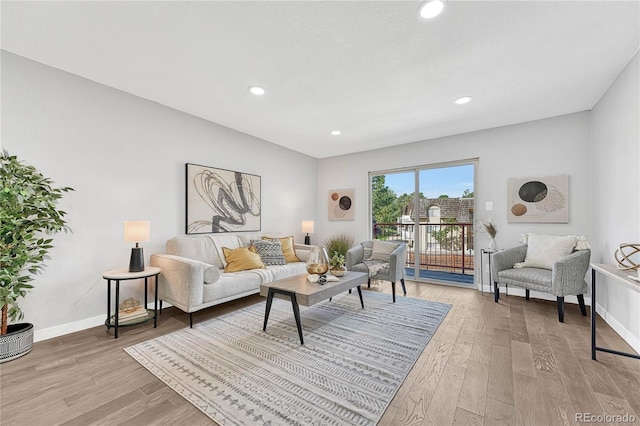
(136, 231)
(307, 226)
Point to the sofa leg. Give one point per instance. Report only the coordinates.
(369, 283)
(560, 308)
(526, 294)
(496, 292)
(404, 289)
(190, 320)
(393, 290)
(583, 308)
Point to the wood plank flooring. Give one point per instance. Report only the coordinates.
(510, 363)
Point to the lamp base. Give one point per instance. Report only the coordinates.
(307, 240)
(136, 263)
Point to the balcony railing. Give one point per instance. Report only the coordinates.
(445, 247)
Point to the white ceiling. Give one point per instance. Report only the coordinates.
(371, 69)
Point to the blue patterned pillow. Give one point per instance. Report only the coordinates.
(270, 251)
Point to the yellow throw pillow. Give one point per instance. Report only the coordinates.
(287, 248)
(241, 259)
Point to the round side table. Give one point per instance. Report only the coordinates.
(124, 275)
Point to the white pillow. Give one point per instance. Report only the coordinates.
(382, 250)
(544, 250)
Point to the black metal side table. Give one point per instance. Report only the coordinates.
(124, 275)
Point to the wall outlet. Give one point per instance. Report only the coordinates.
(489, 206)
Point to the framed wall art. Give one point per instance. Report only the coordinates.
(538, 199)
(342, 204)
(219, 200)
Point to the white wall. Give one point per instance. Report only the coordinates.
(125, 157)
(615, 132)
(553, 146)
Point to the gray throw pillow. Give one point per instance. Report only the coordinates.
(270, 251)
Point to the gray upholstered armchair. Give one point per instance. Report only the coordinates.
(566, 277)
(382, 260)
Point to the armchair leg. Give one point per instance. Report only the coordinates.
(393, 290)
(560, 308)
(526, 294)
(496, 292)
(369, 283)
(583, 308)
(190, 320)
(404, 289)
(161, 306)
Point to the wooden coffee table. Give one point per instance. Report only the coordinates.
(302, 292)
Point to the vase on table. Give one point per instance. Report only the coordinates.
(493, 246)
(318, 261)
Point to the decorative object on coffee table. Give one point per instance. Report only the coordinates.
(318, 261)
(336, 264)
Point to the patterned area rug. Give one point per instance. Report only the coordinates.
(350, 367)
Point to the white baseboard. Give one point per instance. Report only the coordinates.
(626, 335)
(72, 327)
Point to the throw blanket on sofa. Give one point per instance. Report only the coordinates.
(375, 266)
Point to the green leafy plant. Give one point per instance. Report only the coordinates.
(336, 261)
(338, 243)
(28, 213)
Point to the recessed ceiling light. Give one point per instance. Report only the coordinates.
(336, 132)
(430, 9)
(256, 90)
(463, 100)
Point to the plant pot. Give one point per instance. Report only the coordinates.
(338, 272)
(17, 342)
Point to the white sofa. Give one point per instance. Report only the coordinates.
(193, 276)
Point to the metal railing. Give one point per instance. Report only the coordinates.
(446, 247)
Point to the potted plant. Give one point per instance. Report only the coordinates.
(28, 213)
(336, 264)
(340, 243)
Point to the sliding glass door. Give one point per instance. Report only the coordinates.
(431, 208)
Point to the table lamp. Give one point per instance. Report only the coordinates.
(136, 231)
(307, 227)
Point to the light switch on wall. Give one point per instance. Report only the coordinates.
(489, 206)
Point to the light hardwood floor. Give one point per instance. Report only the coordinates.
(510, 363)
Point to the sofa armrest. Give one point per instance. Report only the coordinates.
(181, 281)
(302, 251)
(397, 261)
(505, 259)
(567, 275)
(354, 256)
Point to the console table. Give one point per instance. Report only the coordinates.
(618, 277)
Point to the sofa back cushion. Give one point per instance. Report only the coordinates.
(205, 248)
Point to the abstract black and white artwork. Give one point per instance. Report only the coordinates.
(539, 199)
(220, 200)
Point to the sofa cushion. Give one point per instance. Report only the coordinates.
(287, 248)
(270, 251)
(194, 247)
(544, 250)
(382, 250)
(241, 259)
